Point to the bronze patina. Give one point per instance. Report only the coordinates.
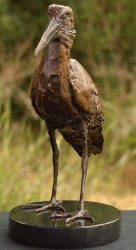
(66, 98)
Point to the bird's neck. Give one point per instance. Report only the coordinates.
(56, 57)
(57, 50)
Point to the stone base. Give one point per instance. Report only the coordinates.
(38, 230)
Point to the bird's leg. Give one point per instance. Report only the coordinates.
(80, 213)
(53, 204)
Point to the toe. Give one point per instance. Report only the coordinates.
(79, 216)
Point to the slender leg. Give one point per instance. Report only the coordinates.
(80, 213)
(55, 163)
(84, 165)
(53, 204)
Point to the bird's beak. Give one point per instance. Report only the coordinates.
(49, 34)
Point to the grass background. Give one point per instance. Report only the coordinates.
(106, 48)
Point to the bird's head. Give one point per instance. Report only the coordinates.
(60, 25)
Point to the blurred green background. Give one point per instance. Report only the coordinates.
(105, 45)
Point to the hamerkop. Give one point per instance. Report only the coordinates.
(65, 97)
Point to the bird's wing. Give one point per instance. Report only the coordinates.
(85, 93)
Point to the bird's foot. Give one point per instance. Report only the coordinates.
(51, 206)
(73, 217)
(44, 207)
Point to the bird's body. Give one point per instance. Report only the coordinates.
(62, 94)
(65, 97)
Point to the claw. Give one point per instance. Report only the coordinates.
(78, 217)
(59, 216)
(72, 217)
(31, 206)
(50, 207)
(43, 207)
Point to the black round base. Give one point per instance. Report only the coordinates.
(38, 230)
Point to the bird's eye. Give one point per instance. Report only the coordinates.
(64, 16)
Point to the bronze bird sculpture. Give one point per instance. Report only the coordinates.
(65, 97)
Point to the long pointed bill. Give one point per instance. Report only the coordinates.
(49, 34)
